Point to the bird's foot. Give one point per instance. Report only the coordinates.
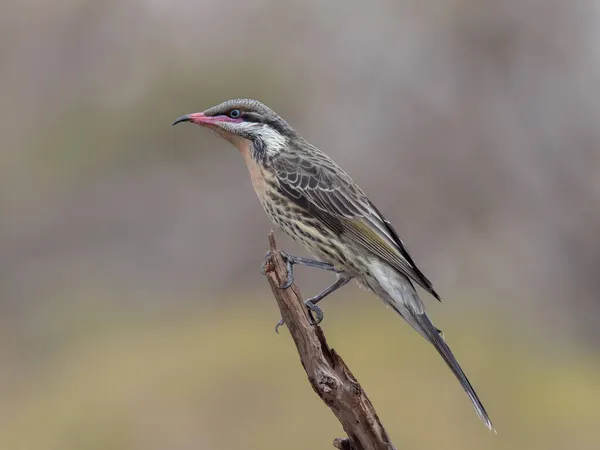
(315, 314)
(290, 261)
(267, 266)
(312, 308)
(289, 265)
(281, 322)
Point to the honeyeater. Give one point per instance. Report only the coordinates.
(310, 198)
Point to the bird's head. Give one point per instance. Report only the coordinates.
(245, 121)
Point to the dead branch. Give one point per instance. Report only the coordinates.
(329, 376)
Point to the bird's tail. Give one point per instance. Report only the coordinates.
(396, 290)
(435, 337)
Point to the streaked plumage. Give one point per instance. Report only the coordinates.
(309, 197)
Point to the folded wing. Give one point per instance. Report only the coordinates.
(322, 188)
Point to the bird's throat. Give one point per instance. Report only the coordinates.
(255, 168)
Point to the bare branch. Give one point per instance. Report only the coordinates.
(329, 376)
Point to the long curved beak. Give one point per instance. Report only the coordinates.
(202, 119)
(198, 119)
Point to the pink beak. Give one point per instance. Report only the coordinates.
(201, 119)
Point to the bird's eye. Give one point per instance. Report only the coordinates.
(235, 113)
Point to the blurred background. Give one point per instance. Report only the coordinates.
(132, 311)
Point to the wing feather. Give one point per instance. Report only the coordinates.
(325, 190)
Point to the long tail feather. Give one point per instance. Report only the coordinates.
(396, 290)
(440, 345)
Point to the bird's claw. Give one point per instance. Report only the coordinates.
(281, 322)
(312, 308)
(315, 314)
(289, 263)
(267, 265)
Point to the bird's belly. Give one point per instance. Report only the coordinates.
(323, 243)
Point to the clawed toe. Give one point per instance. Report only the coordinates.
(281, 322)
(312, 308)
(264, 267)
(289, 264)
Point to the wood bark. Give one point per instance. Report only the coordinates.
(329, 376)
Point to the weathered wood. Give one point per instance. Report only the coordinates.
(329, 376)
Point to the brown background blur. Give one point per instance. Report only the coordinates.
(132, 311)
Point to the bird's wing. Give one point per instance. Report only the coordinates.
(326, 191)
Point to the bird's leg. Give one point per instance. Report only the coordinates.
(291, 260)
(311, 303)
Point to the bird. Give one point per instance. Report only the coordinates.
(313, 200)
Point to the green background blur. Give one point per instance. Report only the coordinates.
(132, 311)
